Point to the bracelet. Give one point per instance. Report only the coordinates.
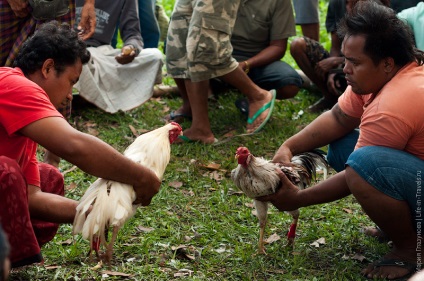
(246, 70)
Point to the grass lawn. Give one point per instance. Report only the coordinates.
(199, 227)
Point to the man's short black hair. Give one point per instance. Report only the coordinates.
(55, 41)
(385, 34)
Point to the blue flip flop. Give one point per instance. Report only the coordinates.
(270, 106)
(187, 140)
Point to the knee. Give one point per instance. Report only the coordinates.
(297, 47)
(51, 179)
(11, 176)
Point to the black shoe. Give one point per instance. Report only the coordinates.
(243, 106)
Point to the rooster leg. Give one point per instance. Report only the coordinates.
(109, 247)
(262, 213)
(291, 235)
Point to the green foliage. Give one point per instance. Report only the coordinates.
(199, 208)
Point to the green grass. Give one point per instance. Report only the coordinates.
(198, 208)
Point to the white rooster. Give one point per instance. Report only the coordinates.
(256, 177)
(112, 202)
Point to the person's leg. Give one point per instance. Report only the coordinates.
(277, 75)
(51, 182)
(387, 184)
(184, 111)
(307, 16)
(148, 23)
(340, 150)
(14, 215)
(200, 129)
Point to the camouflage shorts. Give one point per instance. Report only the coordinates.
(315, 51)
(198, 44)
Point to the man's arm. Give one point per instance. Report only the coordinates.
(19, 7)
(289, 197)
(50, 207)
(87, 24)
(274, 52)
(92, 155)
(326, 128)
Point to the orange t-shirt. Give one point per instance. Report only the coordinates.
(394, 117)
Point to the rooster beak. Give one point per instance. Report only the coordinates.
(236, 156)
(181, 133)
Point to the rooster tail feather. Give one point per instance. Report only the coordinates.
(310, 161)
(86, 201)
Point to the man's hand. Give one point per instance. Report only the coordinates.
(19, 7)
(127, 55)
(286, 197)
(283, 155)
(87, 25)
(331, 85)
(146, 188)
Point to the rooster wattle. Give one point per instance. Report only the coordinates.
(256, 177)
(112, 202)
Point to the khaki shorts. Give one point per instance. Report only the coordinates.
(198, 44)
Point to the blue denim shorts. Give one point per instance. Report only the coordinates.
(396, 173)
(275, 75)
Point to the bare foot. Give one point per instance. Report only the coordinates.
(394, 265)
(254, 107)
(191, 135)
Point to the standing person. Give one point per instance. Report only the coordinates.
(199, 49)
(149, 24)
(307, 16)
(19, 21)
(118, 79)
(383, 168)
(32, 202)
(259, 46)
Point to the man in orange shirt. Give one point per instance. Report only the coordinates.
(382, 163)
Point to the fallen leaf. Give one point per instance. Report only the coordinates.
(133, 130)
(174, 248)
(97, 266)
(52, 267)
(274, 237)
(145, 229)
(71, 186)
(175, 184)
(318, 242)
(216, 176)
(211, 166)
(359, 257)
(349, 211)
(116, 273)
(67, 242)
(183, 272)
(69, 170)
(235, 192)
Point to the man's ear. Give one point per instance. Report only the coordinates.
(47, 68)
(389, 64)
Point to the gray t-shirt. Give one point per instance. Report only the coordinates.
(108, 14)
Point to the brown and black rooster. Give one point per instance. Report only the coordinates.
(256, 177)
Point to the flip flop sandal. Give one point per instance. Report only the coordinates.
(270, 106)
